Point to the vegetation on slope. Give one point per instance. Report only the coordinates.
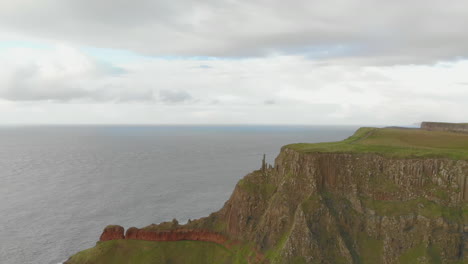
(148, 252)
(397, 143)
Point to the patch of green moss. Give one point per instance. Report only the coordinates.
(370, 249)
(413, 255)
(264, 189)
(274, 255)
(311, 203)
(434, 255)
(384, 184)
(299, 260)
(421, 254)
(422, 206)
(465, 213)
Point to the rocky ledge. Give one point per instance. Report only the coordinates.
(440, 126)
(112, 232)
(116, 232)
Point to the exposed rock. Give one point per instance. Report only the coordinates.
(117, 232)
(351, 208)
(112, 232)
(439, 126)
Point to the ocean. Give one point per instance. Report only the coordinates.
(61, 185)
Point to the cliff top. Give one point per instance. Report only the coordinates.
(443, 123)
(395, 142)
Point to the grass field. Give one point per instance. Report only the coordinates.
(395, 142)
(176, 252)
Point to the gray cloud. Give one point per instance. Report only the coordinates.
(370, 31)
(64, 74)
(26, 85)
(170, 96)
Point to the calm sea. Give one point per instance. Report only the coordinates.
(61, 185)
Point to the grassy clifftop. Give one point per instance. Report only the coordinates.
(398, 143)
(177, 252)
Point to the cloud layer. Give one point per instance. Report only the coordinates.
(369, 31)
(229, 62)
(65, 85)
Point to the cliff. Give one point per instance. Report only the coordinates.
(112, 232)
(115, 232)
(439, 126)
(381, 196)
(353, 208)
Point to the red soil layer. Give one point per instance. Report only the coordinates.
(112, 233)
(117, 232)
(175, 235)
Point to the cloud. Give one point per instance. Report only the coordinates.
(170, 96)
(62, 73)
(368, 32)
(62, 84)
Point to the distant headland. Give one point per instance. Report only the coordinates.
(441, 126)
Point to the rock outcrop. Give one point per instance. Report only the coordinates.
(112, 232)
(353, 208)
(439, 126)
(117, 232)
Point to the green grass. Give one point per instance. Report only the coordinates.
(422, 206)
(264, 189)
(421, 254)
(178, 252)
(370, 249)
(397, 143)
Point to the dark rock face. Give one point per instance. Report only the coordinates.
(112, 233)
(339, 208)
(451, 127)
(353, 208)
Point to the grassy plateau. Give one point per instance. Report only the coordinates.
(397, 143)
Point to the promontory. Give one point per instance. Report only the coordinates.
(384, 195)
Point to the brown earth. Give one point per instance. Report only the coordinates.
(117, 232)
(112, 233)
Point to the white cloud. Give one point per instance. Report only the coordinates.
(64, 85)
(365, 31)
(60, 74)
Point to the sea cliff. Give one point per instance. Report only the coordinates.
(440, 126)
(381, 196)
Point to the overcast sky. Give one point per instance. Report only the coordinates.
(360, 62)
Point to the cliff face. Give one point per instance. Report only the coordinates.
(352, 208)
(438, 126)
(112, 232)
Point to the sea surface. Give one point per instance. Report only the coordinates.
(61, 185)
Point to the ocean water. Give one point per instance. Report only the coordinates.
(61, 185)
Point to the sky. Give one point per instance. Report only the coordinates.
(307, 62)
